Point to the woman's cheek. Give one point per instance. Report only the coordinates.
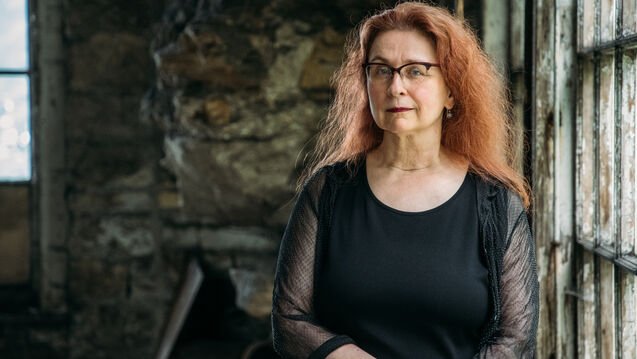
(376, 111)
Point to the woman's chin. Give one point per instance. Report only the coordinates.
(400, 125)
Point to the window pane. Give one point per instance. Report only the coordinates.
(608, 20)
(15, 138)
(628, 292)
(585, 154)
(628, 153)
(13, 42)
(607, 153)
(607, 306)
(629, 18)
(587, 23)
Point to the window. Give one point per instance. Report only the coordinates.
(15, 134)
(606, 179)
(15, 149)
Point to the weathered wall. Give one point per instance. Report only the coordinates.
(118, 284)
(184, 123)
(184, 127)
(14, 231)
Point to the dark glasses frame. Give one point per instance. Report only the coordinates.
(428, 65)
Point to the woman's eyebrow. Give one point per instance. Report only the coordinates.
(375, 58)
(407, 61)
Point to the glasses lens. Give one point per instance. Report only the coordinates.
(378, 73)
(415, 72)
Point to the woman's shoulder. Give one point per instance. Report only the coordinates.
(339, 171)
(490, 188)
(315, 180)
(321, 175)
(502, 205)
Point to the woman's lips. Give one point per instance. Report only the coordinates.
(398, 109)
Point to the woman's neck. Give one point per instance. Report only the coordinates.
(410, 153)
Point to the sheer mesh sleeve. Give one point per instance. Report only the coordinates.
(295, 331)
(519, 290)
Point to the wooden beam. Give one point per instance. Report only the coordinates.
(49, 156)
(459, 6)
(543, 168)
(495, 32)
(565, 85)
(187, 293)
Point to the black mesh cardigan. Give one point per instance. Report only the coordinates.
(506, 241)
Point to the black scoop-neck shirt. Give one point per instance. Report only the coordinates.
(404, 285)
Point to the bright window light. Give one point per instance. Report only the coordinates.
(15, 114)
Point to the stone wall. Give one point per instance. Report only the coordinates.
(240, 91)
(119, 285)
(185, 125)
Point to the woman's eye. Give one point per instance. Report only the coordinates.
(383, 71)
(416, 71)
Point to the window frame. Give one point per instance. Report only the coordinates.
(21, 296)
(596, 53)
(29, 72)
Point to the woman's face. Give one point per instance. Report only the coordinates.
(414, 102)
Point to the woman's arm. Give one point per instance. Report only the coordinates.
(296, 332)
(519, 291)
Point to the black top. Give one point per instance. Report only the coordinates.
(404, 284)
(506, 241)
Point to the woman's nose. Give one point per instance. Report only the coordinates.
(396, 86)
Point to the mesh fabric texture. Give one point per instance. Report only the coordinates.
(506, 241)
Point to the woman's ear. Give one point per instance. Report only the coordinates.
(450, 102)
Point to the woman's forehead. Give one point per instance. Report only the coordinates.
(402, 45)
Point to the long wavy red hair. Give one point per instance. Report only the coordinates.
(481, 130)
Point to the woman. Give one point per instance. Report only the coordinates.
(409, 238)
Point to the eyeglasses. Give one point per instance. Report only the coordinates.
(411, 73)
